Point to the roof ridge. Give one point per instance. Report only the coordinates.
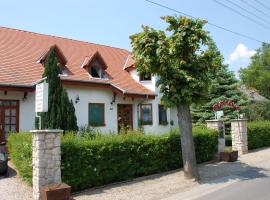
(65, 38)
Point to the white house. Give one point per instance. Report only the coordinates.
(101, 80)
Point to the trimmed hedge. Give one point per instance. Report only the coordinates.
(111, 158)
(20, 151)
(258, 134)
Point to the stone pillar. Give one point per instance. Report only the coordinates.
(46, 159)
(218, 125)
(239, 136)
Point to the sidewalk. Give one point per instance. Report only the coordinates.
(165, 186)
(172, 185)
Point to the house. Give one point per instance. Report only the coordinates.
(102, 81)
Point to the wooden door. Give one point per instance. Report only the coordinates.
(125, 116)
(9, 118)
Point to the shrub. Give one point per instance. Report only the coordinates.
(259, 110)
(109, 158)
(258, 134)
(20, 151)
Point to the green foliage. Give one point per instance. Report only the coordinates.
(20, 151)
(257, 74)
(89, 162)
(258, 110)
(61, 111)
(224, 86)
(258, 134)
(182, 59)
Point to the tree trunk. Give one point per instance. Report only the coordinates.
(187, 144)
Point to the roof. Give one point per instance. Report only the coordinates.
(21, 51)
(252, 94)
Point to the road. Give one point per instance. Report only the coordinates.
(255, 189)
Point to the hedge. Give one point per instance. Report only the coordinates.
(258, 134)
(108, 158)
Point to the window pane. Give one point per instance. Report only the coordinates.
(96, 114)
(7, 120)
(162, 114)
(7, 112)
(13, 112)
(13, 103)
(13, 120)
(13, 128)
(146, 114)
(6, 103)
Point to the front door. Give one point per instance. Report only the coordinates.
(125, 119)
(9, 118)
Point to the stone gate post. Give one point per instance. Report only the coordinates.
(218, 124)
(46, 159)
(239, 136)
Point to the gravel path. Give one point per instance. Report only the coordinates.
(13, 188)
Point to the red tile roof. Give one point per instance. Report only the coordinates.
(20, 52)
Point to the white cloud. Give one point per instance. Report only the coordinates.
(241, 53)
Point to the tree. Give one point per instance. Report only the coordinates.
(182, 58)
(224, 87)
(257, 74)
(61, 111)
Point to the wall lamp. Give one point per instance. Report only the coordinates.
(77, 99)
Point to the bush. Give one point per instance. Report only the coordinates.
(259, 111)
(258, 134)
(110, 158)
(20, 151)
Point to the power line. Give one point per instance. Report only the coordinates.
(245, 16)
(251, 13)
(250, 5)
(262, 4)
(217, 26)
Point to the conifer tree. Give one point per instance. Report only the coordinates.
(61, 111)
(223, 87)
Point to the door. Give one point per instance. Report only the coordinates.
(9, 118)
(125, 119)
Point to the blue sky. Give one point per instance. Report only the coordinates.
(111, 22)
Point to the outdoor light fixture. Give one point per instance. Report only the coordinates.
(113, 101)
(77, 99)
(25, 96)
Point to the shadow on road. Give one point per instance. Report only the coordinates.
(223, 172)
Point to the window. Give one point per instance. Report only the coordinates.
(162, 115)
(145, 114)
(96, 114)
(96, 70)
(144, 77)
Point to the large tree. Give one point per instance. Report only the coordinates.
(182, 57)
(61, 111)
(223, 87)
(257, 74)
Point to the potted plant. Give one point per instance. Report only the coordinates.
(229, 155)
(59, 191)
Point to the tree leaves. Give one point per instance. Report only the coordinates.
(183, 58)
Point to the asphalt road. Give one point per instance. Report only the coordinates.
(253, 189)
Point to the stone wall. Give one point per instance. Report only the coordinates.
(220, 127)
(239, 136)
(46, 159)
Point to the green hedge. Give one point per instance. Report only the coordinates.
(20, 151)
(258, 134)
(106, 159)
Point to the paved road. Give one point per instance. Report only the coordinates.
(255, 189)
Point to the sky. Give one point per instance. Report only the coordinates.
(112, 22)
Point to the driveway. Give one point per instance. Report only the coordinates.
(13, 188)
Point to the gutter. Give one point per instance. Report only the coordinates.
(16, 85)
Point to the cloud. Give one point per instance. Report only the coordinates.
(241, 53)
